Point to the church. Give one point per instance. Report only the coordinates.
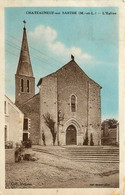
(68, 98)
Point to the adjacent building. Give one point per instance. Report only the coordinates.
(110, 136)
(14, 119)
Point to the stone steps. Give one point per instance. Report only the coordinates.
(89, 151)
(93, 154)
(92, 149)
(94, 157)
(104, 155)
(97, 161)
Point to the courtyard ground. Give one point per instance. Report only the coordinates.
(51, 171)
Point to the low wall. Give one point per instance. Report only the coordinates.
(9, 155)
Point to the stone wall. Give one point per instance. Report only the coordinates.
(94, 113)
(31, 109)
(48, 104)
(10, 155)
(55, 98)
(72, 81)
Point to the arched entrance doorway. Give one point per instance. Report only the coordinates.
(71, 135)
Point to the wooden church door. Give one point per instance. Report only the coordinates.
(71, 135)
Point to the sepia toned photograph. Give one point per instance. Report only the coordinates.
(61, 97)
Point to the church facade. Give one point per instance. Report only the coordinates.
(68, 96)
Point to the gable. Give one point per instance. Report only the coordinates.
(71, 68)
(13, 105)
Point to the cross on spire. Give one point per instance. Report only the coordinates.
(72, 57)
(24, 23)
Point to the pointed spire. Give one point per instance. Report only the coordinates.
(24, 64)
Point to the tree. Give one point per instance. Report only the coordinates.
(86, 140)
(91, 140)
(51, 125)
(111, 123)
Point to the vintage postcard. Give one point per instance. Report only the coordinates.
(62, 97)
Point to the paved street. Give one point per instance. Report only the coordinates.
(51, 171)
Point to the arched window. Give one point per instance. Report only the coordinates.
(22, 85)
(73, 103)
(28, 86)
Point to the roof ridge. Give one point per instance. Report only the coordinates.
(28, 100)
(40, 80)
(14, 105)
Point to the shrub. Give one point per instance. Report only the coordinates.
(86, 140)
(8, 144)
(91, 140)
(19, 152)
(27, 144)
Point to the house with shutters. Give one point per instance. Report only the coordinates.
(72, 99)
(14, 118)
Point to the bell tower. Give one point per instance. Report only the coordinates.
(24, 78)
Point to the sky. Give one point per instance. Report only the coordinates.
(90, 34)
